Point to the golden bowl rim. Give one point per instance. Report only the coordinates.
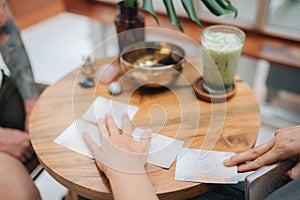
(127, 50)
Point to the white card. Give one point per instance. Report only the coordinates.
(102, 105)
(163, 150)
(72, 137)
(205, 166)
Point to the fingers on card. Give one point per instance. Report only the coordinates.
(205, 167)
(163, 150)
(101, 106)
(72, 137)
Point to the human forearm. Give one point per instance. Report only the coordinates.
(15, 56)
(131, 186)
(285, 144)
(122, 159)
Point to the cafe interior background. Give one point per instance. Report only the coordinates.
(57, 42)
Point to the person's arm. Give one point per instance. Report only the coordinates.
(16, 59)
(15, 143)
(131, 186)
(285, 144)
(122, 159)
(14, 54)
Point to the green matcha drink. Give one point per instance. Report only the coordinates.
(222, 46)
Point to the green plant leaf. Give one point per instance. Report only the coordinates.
(148, 6)
(216, 8)
(235, 11)
(226, 4)
(172, 14)
(129, 2)
(190, 10)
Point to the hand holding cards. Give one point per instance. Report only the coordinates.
(267, 179)
(118, 152)
(163, 150)
(192, 164)
(71, 137)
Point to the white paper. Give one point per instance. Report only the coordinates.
(163, 150)
(72, 137)
(102, 106)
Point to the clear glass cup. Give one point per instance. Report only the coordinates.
(221, 47)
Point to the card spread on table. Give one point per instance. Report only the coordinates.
(102, 105)
(163, 150)
(205, 166)
(72, 137)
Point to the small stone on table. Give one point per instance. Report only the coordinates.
(115, 88)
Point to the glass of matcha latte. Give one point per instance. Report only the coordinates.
(221, 46)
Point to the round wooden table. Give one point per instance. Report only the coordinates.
(175, 112)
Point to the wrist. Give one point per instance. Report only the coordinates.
(126, 185)
(115, 174)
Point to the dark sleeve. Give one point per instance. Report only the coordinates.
(288, 191)
(12, 111)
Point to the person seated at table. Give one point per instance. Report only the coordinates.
(285, 144)
(119, 166)
(122, 159)
(18, 93)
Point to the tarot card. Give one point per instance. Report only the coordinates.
(205, 166)
(72, 137)
(102, 106)
(163, 150)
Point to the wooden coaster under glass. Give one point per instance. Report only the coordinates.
(210, 97)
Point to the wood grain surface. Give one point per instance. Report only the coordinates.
(174, 111)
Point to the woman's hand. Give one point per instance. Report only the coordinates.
(118, 150)
(285, 144)
(15, 143)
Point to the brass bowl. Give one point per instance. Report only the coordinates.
(143, 62)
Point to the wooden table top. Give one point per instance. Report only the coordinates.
(175, 112)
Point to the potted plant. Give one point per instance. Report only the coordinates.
(217, 7)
